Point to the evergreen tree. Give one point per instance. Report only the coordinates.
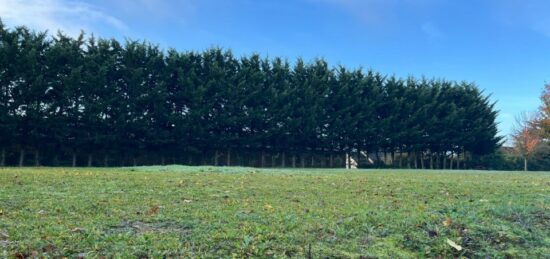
(8, 56)
(116, 103)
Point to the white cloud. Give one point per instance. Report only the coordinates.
(68, 16)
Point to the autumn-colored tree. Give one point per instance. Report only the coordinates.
(526, 136)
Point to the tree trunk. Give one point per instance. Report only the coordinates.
(283, 160)
(90, 160)
(458, 160)
(422, 160)
(134, 161)
(293, 161)
(415, 160)
(347, 161)
(358, 161)
(21, 157)
(431, 161)
(377, 158)
(216, 158)
(313, 160)
(464, 159)
(36, 158)
(392, 158)
(409, 160)
(451, 161)
(525, 164)
(239, 158)
(228, 162)
(303, 160)
(74, 159)
(106, 160)
(263, 159)
(55, 161)
(331, 161)
(274, 160)
(3, 159)
(444, 161)
(400, 159)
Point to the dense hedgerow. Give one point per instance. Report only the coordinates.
(81, 99)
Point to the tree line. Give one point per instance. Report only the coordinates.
(92, 101)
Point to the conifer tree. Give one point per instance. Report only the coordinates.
(64, 99)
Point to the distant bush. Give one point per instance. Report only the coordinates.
(540, 160)
(507, 160)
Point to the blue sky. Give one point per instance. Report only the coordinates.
(502, 45)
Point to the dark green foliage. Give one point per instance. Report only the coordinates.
(541, 158)
(498, 160)
(94, 101)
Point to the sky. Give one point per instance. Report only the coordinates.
(501, 45)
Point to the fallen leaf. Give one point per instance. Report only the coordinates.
(187, 201)
(77, 230)
(447, 222)
(153, 210)
(268, 207)
(454, 245)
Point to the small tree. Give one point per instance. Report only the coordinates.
(526, 136)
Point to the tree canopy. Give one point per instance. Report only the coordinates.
(66, 99)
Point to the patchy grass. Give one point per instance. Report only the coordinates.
(240, 212)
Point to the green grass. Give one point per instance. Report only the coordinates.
(244, 212)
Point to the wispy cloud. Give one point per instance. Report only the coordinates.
(68, 16)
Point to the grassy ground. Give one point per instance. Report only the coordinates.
(238, 212)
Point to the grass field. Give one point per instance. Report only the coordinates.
(179, 211)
